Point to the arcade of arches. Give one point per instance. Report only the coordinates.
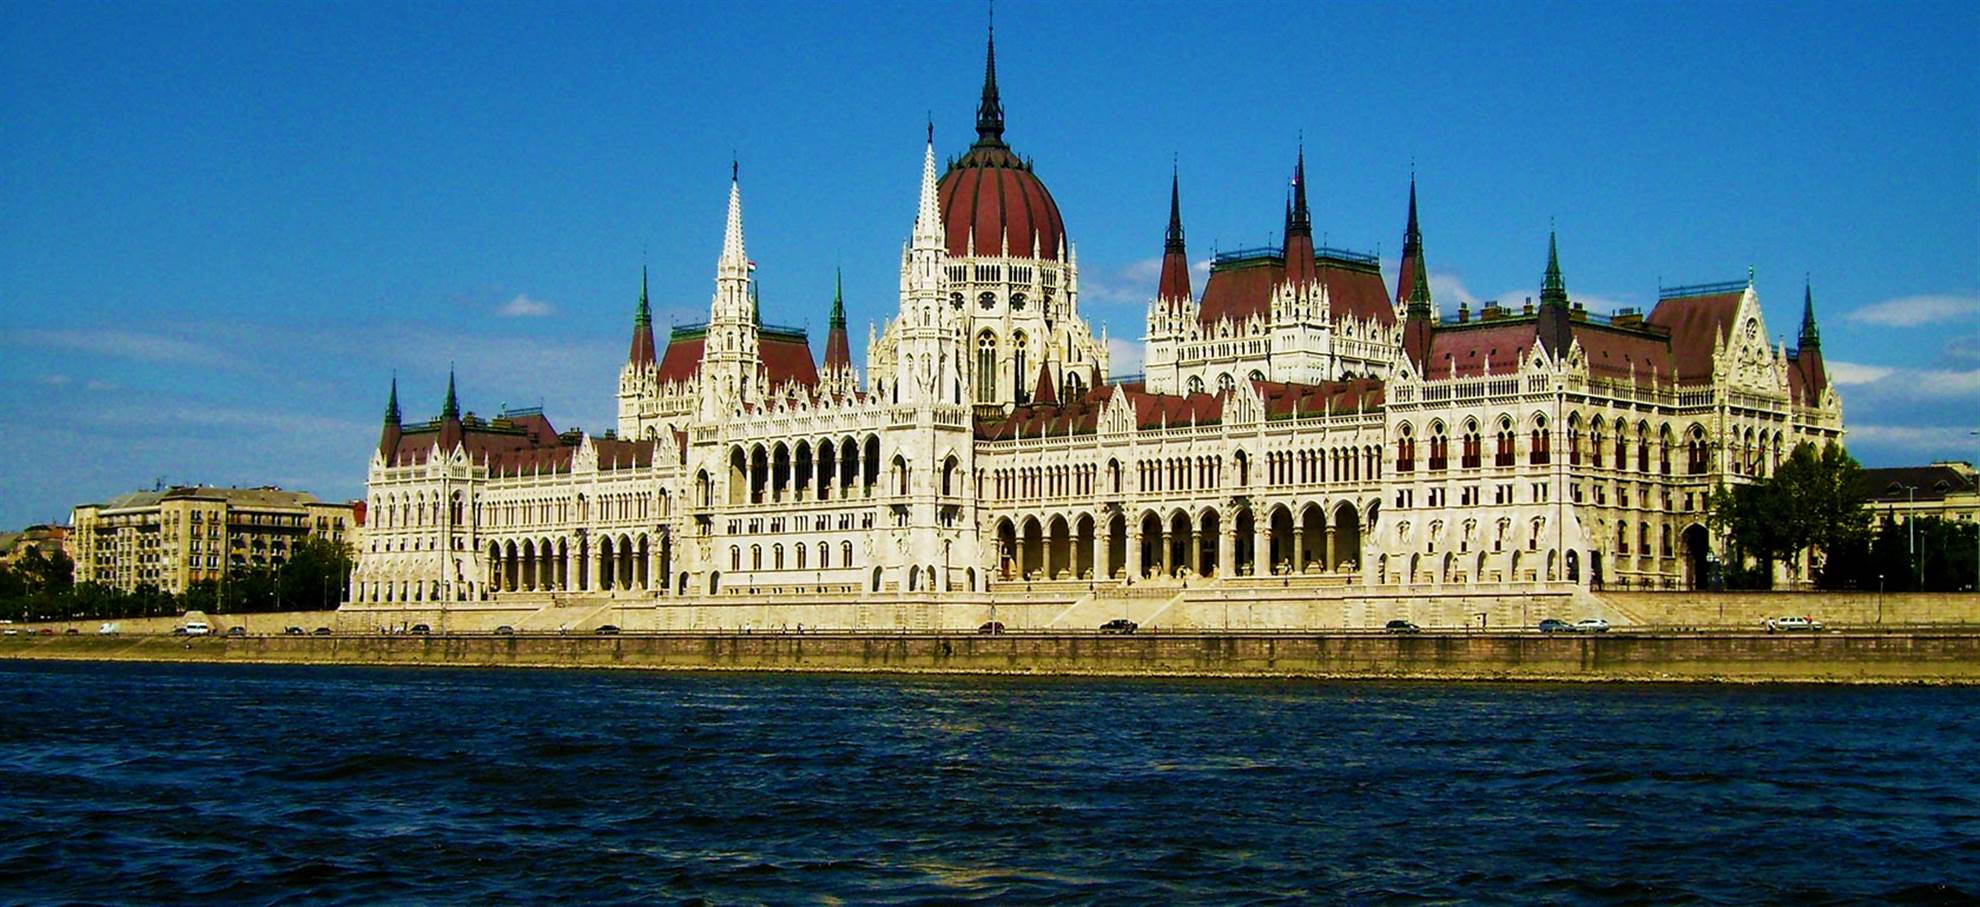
(1278, 540)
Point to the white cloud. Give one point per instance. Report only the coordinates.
(524, 307)
(125, 345)
(1912, 311)
(1123, 356)
(1844, 374)
(54, 380)
(1130, 284)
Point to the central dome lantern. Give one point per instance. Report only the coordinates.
(991, 201)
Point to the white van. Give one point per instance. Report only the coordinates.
(198, 628)
(108, 630)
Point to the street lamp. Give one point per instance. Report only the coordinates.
(1911, 528)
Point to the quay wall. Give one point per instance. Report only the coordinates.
(1751, 609)
(1855, 657)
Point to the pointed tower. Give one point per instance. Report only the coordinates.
(990, 110)
(838, 377)
(1808, 350)
(388, 438)
(1299, 230)
(642, 337)
(1412, 250)
(1553, 327)
(450, 418)
(1175, 260)
(729, 360)
(1553, 290)
(1420, 319)
(926, 370)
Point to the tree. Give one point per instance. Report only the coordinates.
(1810, 506)
(314, 577)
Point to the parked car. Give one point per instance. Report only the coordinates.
(45, 631)
(197, 628)
(607, 630)
(1401, 626)
(992, 628)
(72, 631)
(236, 631)
(110, 629)
(420, 630)
(505, 630)
(1555, 625)
(321, 631)
(1591, 625)
(1119, 625)
(1792, 624)
(292, 631)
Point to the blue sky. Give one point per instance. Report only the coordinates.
(223, 226)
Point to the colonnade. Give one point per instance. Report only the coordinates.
(611, 562)
(1289, 539)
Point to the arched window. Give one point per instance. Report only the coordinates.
(735, 557)
(1503, 455)
(1574, 439)
(1440, 447)
(824, 555)
(1196, 384)
(1470, 453)
(756, 557)
(1538, 451)
(846, 553)
(986, 367)
(1405, 448)
(1695, 451)
(1019, 366)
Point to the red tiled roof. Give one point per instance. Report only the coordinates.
(1469, 347)
(1242, 290)
(785, 356)
(683, 358)
(990, 195)
(1611, 352)
(1695, 322)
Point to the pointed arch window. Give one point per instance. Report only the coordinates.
(986, 367)
(1019, 365)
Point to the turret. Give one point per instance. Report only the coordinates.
(388, 438)
(1420, 319)
(642, 337)
(1175, 261)
(1808, 350)
(838, 351)
(1553, 329)
(729, 361)
(1412, 249)
(450, 418)
(1299, 230)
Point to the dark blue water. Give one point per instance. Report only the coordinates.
(287, 785)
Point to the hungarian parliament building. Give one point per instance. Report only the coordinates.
(1298, 421)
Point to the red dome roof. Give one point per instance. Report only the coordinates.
(992, 196)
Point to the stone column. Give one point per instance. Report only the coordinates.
(564, 569)
(1227, 548)
(1099, 558)
(1168, 553)
(1332, 559)
(1134, 553)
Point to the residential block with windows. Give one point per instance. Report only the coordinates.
(173, 538)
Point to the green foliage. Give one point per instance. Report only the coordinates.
(313, 578)
(1808, 507)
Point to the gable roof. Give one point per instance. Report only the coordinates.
(1695, 323)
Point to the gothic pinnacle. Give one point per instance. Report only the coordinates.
(1553, 290)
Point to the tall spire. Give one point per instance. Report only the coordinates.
(1299, 229)
(838, 351)
(450, 417)
(1175, 238)
(388, 436)
(451, 409)
(1553, 291)
(990, 111)
(1811, 338)
(1412, 250)
(734, 259)
(928, 230)
(1175, 258)
(642, 339)
(1301, 220)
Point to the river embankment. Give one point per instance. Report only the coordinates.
(1923, 655)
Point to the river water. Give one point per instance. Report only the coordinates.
(268, 784)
